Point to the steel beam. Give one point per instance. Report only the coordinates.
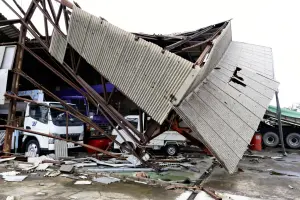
(189, 38)
(9, 22)
(16, 78)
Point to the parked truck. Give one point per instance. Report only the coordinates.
(290, 125)
(169, 141)
(43, 119)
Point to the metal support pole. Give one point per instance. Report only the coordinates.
(141, 121)
(280, 124)
(104, 89)
(14, 89)
(67, 125)
(46, 22)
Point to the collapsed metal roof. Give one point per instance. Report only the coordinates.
(8, 32)
(222, 96)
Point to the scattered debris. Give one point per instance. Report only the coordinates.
(70, 176)
(38, 160)
(276, 157)
(6, 159)
(79, 165)
(14, 178)
(31, 154)
(11, 173)
(141, 175)
(106, 180)
(145, 183)
(52, 173)
(42, 166)
(69, 162)
(255, 156)
(121, 170)
(41, 194)
(83, 183)
(66, 168)
(134, 160)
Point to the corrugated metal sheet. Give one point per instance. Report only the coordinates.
(224, 114)
(8, 31)
(60, 149)
(223, 102)
(58, 46)
(151, 78)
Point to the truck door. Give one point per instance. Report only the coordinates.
(36, 119)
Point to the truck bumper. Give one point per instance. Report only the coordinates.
(70, 145)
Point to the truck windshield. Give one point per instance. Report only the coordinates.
(133, 121)
(59, 117)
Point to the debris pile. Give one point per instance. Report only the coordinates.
(167, 171)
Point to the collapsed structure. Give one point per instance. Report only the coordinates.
(221, 91)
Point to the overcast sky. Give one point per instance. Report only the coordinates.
(273, 23)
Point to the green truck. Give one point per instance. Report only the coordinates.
(290, 126)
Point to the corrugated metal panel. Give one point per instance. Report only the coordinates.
(220, 45)
(224, 114)
(60, 149)
(141, 70)
(254, 57)
(58, 46)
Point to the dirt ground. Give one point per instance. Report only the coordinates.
(271, 177)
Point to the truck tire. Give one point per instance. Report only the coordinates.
(33, 147)
(293, 140)
(171, 150)
(124, 145)
(270, 139)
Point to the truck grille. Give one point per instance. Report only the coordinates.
(72, 136)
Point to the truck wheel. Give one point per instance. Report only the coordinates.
(270, 139)
(124, 145)
(293, 140)
(171, 150)
(33, 147)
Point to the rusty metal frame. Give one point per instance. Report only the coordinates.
(24, 28)
(118, 118)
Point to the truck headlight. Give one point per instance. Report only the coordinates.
(52, 140)
(81, 136)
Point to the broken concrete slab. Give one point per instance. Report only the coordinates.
(66, 168)
(14, 178)
(83, 183)
(42, 166)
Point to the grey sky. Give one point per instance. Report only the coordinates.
(272, 23)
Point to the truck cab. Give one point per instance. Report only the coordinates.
(49, 121)
(169, 141)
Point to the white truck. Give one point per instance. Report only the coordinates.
(169, 141)
(46, 120)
